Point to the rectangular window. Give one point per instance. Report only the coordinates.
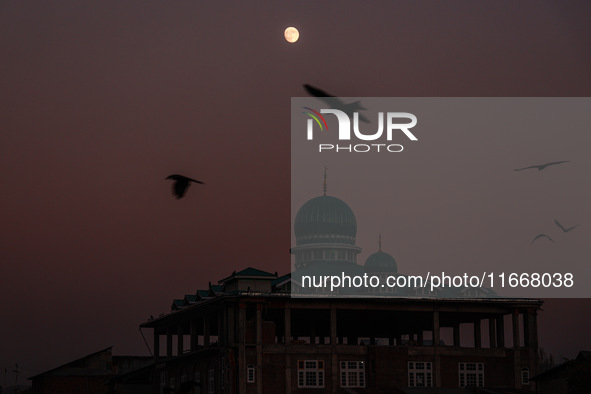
(471, 374)
(352, 374)
(223, 370)
(420, 374)
(197, 379)
(162, 381)
(250, 374)
(310, 373)
(211, 381)
(524, 375)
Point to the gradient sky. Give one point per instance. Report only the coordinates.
(101, 100)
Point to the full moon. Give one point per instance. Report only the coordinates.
(291, 34)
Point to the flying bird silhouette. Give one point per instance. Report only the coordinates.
(566, 230)
(181, 184)
(336, 103)
(540, 167)
(540, 236)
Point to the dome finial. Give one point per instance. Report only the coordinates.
(380, 242)
(324, 184)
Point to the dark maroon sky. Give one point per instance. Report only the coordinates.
(101, 100)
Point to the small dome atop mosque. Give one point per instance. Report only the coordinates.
(381, 262)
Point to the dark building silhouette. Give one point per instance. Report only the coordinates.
(573, 376)
(247, 334)
(90, 374)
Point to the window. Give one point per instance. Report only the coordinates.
(197, 379)
(211, 381)
(162, 381)
(352, 374)
(223, 369)
(250, 374)
(420, 374)
(524, 375)
(471, 374)
(310, 373)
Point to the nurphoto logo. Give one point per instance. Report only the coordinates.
(393, 125)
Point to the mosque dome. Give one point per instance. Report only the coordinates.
(381, 262)
(325, 219)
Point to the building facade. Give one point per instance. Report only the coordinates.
(262, 340)
(247, 334)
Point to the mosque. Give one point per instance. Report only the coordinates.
(249, 334)
(325, 229)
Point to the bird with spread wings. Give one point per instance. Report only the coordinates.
(181, 184)
(336, 103)
(566, 230)
(540, 167)
(541, 236)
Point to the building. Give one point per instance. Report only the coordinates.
(87, 375)
(247, 334)
(573, 376)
